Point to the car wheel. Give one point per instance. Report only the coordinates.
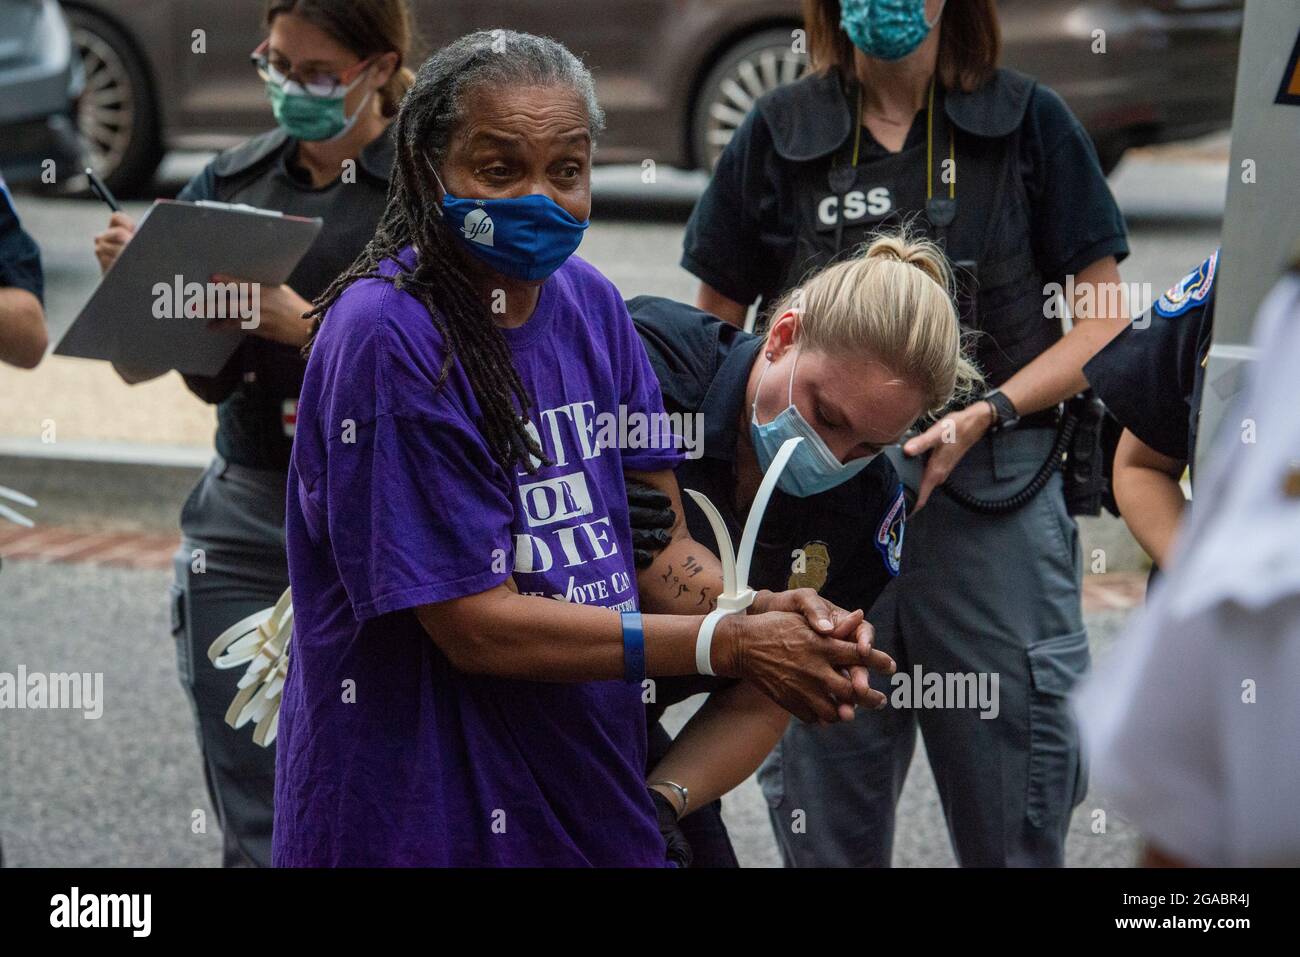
(743, 73)
(116, 112)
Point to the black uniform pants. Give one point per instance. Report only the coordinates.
(231, 564)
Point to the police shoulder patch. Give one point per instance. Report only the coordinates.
(1190, 291)
(889, 536)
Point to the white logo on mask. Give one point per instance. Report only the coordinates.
(478, 227)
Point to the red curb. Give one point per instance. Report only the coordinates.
(47, 544)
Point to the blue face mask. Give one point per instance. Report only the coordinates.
(526, 238)
(813, 468)
(886, 29)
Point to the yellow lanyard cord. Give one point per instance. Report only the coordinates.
(929, 151)
(857, 136)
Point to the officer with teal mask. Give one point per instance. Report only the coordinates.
(333, 74)
(906, 116)
(887, 29)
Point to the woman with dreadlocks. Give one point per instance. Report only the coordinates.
(448, 483)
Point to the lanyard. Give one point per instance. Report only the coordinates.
(842, 186)
(929, 152)
(941, 212)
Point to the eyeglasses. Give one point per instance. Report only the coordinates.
(322, 85)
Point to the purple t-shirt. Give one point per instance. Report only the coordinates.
(388, 755)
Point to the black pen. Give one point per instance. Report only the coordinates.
(100, 189)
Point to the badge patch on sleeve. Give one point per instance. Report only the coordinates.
(889, 536)
(1190, 291)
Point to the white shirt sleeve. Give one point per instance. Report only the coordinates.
(1193, 722)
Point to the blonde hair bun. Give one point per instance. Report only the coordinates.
(912, 250)
(894, 302)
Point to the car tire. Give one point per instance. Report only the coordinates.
(743, 72)
(117, 113)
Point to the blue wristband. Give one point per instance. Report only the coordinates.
(633, 647)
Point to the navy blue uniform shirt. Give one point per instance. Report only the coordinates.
(20, 259)
(1150, 375)
(846, 542)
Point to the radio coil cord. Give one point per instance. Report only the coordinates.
(1001, 506)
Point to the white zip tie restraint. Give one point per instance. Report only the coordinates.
(736, 595)
(262, 642)
(262, 639)
(18, 518)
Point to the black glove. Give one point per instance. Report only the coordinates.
(679, 849)
(652, 516)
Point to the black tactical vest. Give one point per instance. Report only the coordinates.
(985, 230)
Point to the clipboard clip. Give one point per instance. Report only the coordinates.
(238, 208)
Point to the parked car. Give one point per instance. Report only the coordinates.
(40, 77)
(675, 76)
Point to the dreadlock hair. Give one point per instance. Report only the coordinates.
(430, 113)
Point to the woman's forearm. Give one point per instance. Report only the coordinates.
(723, 744)
(1057, 374)
(1152, 504)
(507, 635)
(726, 309)
(685, 578)
(1149, 496)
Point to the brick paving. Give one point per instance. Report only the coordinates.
(44, 544)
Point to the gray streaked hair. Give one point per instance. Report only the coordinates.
(495, 58)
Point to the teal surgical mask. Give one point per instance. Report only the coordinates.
(886, 29)
(813, 468)
(314, 119)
